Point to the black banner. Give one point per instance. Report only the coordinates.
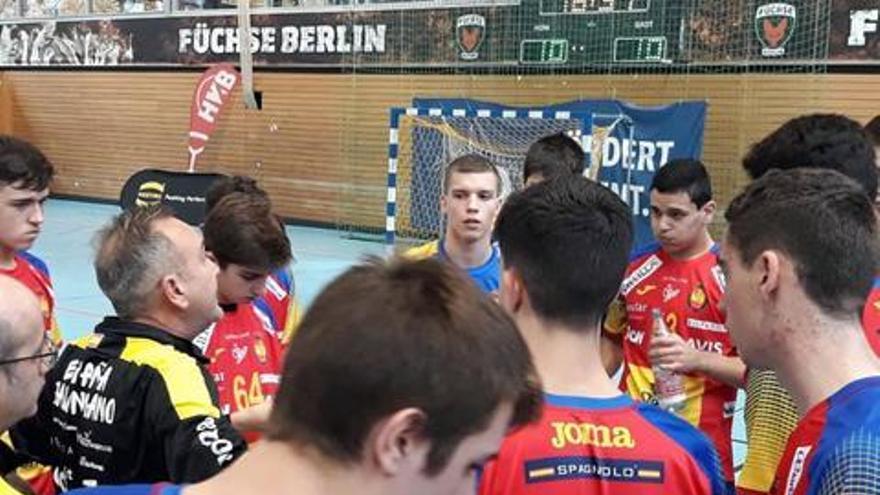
(855, 31)
(547, 33)
(183, 192)
(363, 38)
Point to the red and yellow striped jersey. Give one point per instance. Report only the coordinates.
(688, 294)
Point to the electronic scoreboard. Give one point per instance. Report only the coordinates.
(584, 32)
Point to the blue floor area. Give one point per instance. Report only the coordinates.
(66, 246)
(321, 254)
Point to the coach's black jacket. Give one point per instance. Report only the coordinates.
(129, 403)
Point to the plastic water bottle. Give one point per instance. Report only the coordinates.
(668, 385)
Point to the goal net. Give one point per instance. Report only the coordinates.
(422, 141)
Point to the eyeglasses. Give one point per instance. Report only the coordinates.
(49, 356)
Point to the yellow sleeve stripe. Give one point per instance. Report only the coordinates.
(421, 252)
(189, 397)
(294, 315)
(616, 320)
(6, 488)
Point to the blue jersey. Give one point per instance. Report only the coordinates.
(836, 446)
(158, 489)
(487, 276)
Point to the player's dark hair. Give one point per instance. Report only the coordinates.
(22, 163)
(471, 164)
(242, 229)
(569, 238)
(687, 176)
(817, 141)
(872, 128)
(227, 185)
(552, 156)
(822, 221)
(385, 336)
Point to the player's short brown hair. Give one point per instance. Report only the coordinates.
(471, 164)
(242, 229)
(386, 336)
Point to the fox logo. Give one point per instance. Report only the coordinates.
(774, 25)
(470, 30)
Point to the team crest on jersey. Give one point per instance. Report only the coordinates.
(645, 270)
(774, 25)
(470, 30)
(239, 353)
(697, 299)
(260, 350)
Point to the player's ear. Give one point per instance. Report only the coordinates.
(512, 291)
(397, 443)
(768, 272)
(708, 210)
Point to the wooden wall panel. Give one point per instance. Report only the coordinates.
(319, 144)
(5, 106)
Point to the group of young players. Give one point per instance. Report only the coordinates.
(403, 378)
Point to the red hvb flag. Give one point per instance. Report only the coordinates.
(212, 93)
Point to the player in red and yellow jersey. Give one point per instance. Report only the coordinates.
(25, 174)
(800, 256)
(590, 437)
(681, 277)
(245, 345)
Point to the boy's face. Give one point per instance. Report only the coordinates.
(21, 216)
(677, 223)
(460, 475)
(742, 307)
(470, 204)
(237, 284)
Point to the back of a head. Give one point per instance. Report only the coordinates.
(687, 176)
(471, 164)
(19, 312)
(385, 336)
(554, 156)
(826, 141)
(569, 239)
(820, 219)
(872, 128)
(131, 257)
(22, 164)
(21, 326)
(242, 229)
(224, 186)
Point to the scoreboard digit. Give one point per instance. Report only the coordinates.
(557, 7)
(546, 51)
